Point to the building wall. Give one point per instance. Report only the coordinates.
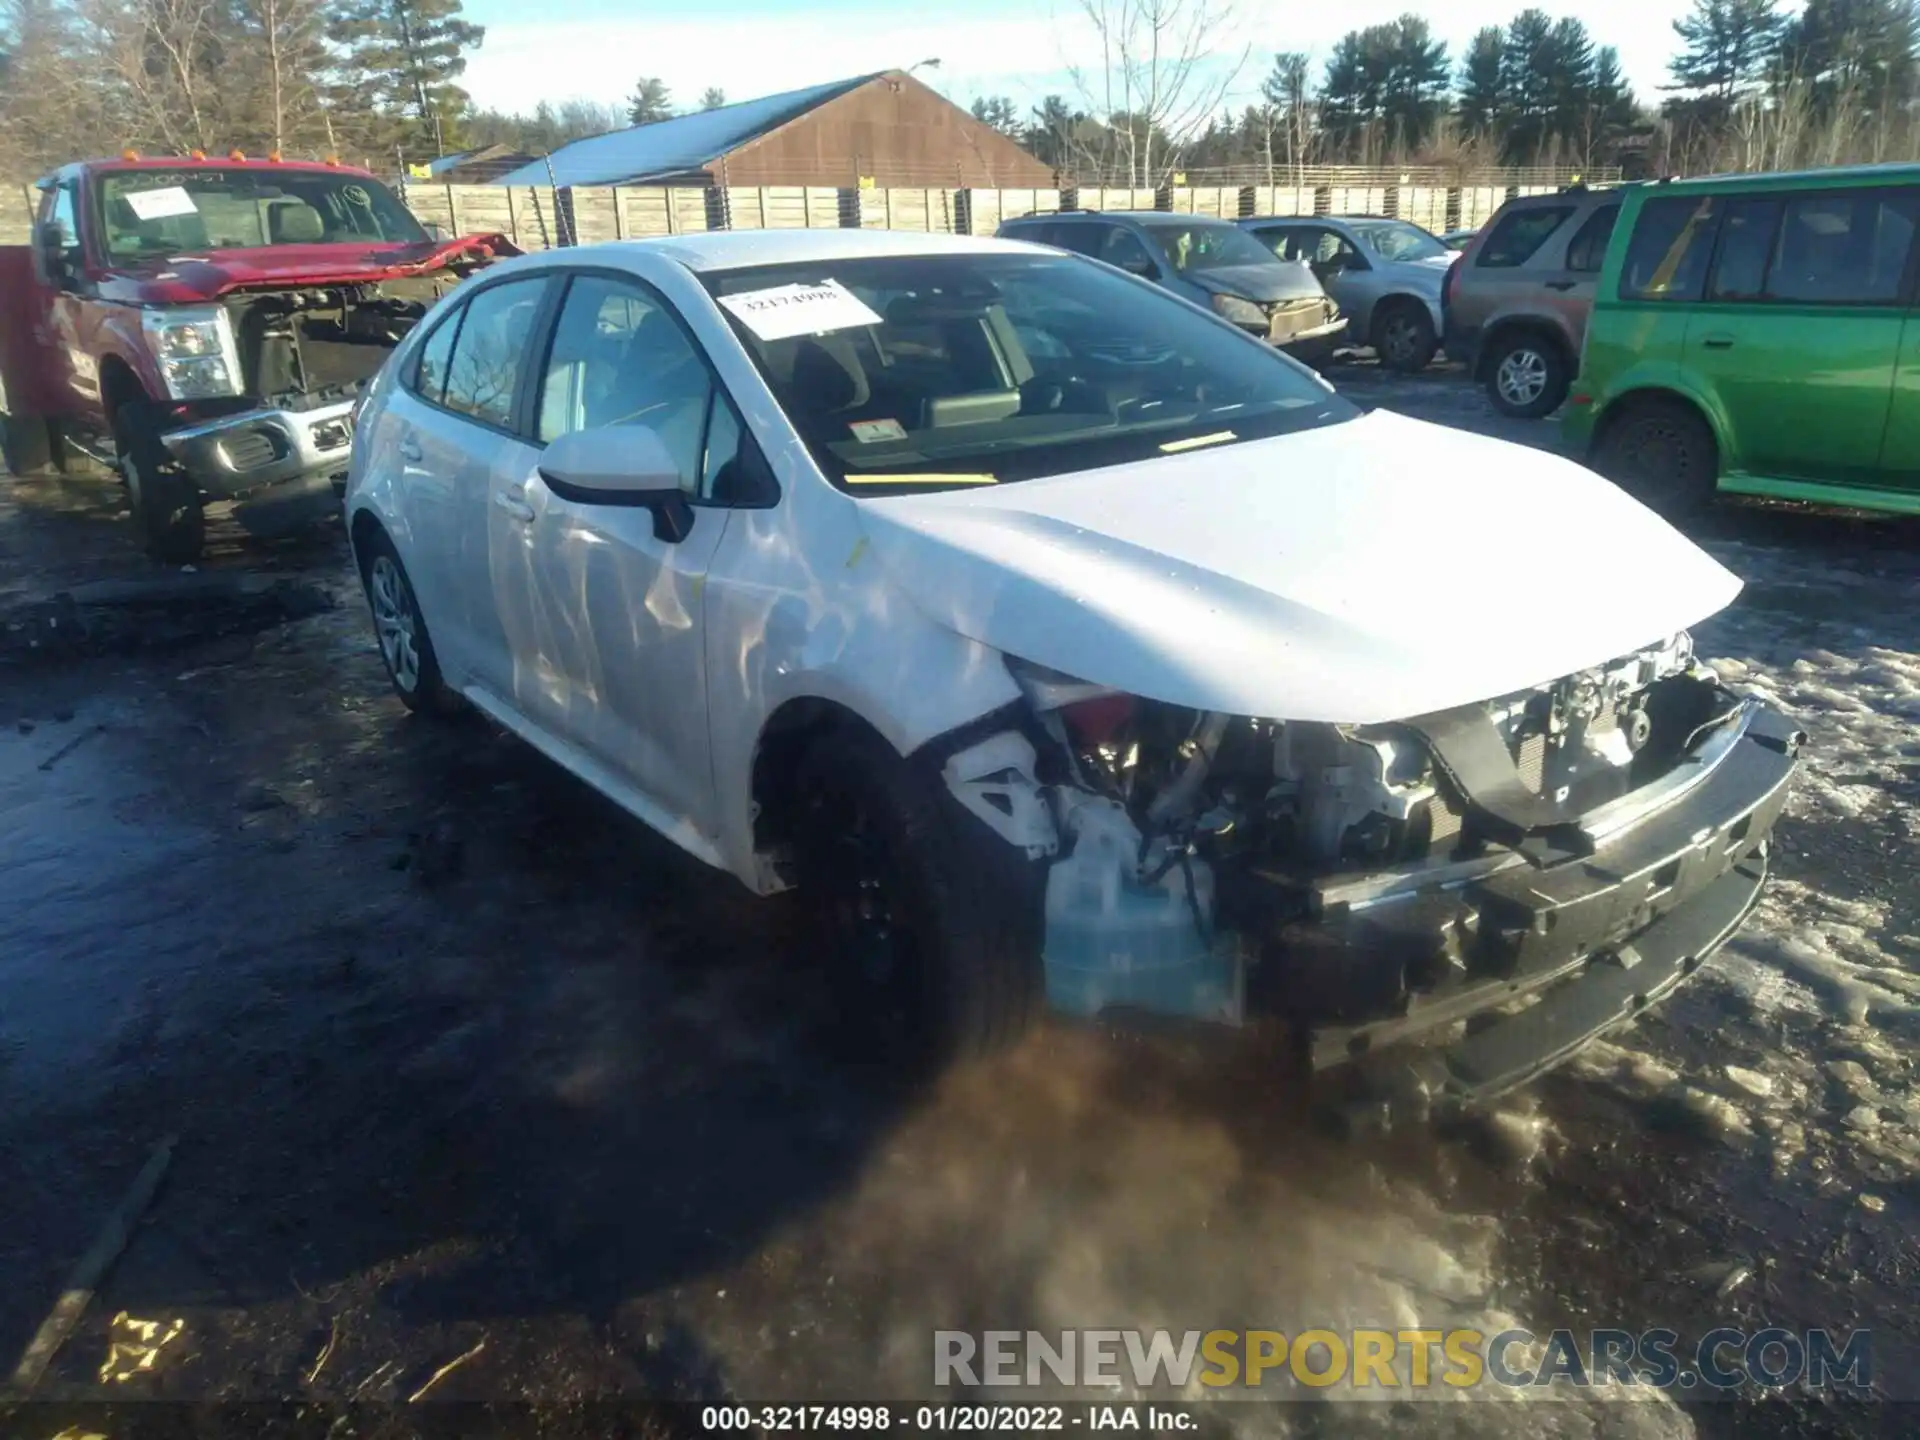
(894, 131)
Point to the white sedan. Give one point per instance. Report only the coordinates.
(1058, 640)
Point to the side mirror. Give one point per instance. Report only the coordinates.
(50, 251)
(435, 230)
(624, 465)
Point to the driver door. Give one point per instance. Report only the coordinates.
(604, 620)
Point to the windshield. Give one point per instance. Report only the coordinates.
(173, 212)
(1206, 245)
(1397, 240)
(932, 371)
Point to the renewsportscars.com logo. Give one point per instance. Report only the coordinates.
(1364, 1360)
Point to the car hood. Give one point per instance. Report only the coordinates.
(1282, 280)
(188, 279)
(1359, 572)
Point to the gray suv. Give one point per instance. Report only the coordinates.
(1385, 275)
(1517, 301)
(1208, 261)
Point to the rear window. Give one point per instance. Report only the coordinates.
(1843, 248)
(1589, 244)
(1518, 234)
(494, 338)
(1667, 257)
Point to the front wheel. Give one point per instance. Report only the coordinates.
(930, 936)
(166, 503)
(1663, 454)
(1528, 377)
(26, 445)
(1404, 338)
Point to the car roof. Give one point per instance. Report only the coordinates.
(1895, 172)
(1139, 217)
(748, 249)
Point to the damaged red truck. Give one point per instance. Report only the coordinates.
(203, 328)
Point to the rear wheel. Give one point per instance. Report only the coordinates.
(1661, 452)
(928, 957)
(1527, 376)
(166, 503)
(1403, 336)
(405, 645)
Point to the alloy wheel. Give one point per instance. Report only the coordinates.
(394, 621)
(1522, 377)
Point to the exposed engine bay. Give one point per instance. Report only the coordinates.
(1341, 876)
(305, 347)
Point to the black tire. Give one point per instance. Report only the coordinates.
(929, 925)
(1538, 381)
(1403, 336)
(166, 503)
(1661, 452)
(26, 445)
(400, 630)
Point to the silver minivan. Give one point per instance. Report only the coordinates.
(1205, 260)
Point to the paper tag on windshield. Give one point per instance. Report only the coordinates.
(869, 432)
(161, 204)
(789, 310)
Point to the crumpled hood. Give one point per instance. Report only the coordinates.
(188, 279)
(1282, 280)
(1361, 572)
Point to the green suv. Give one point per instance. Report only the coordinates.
(1758, 334)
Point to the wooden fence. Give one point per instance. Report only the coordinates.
(536, 217)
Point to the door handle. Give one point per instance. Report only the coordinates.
(508, 501)
(410, 452)
(1561, 284)
(1717, 341)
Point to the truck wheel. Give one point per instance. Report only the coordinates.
(1403, 336)
(25, 444)
(1527, 376)
(405, 646)
(166, 503)
(1663, 454)
(932, 958)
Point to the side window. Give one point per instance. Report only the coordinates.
(620, 358)
(1839, 247)
(62, 212)
(1518, 234)
(1589, 245)
(1082, 239)
(1125, 249)
(733, 472)
(1746, 242)
(491, 348)
(1667, 257)
(429, 379)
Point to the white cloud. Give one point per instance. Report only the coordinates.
(1025, 57)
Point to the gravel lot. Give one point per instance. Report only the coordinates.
(455, 1054)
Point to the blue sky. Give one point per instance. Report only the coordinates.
(594, 49)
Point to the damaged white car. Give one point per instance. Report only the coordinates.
(1056, 639)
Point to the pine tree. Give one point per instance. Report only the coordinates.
(649, 102)
(1728, 46)
(712, 98)
(1482, 85)
(400, 60)
(998, 112)
(1863, 50)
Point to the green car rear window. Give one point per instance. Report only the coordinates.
(1672, 242)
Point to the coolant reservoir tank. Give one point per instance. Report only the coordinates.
(1115, 941)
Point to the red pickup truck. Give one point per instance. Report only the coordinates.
(204, 326)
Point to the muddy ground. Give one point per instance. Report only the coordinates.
(458, 1056)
